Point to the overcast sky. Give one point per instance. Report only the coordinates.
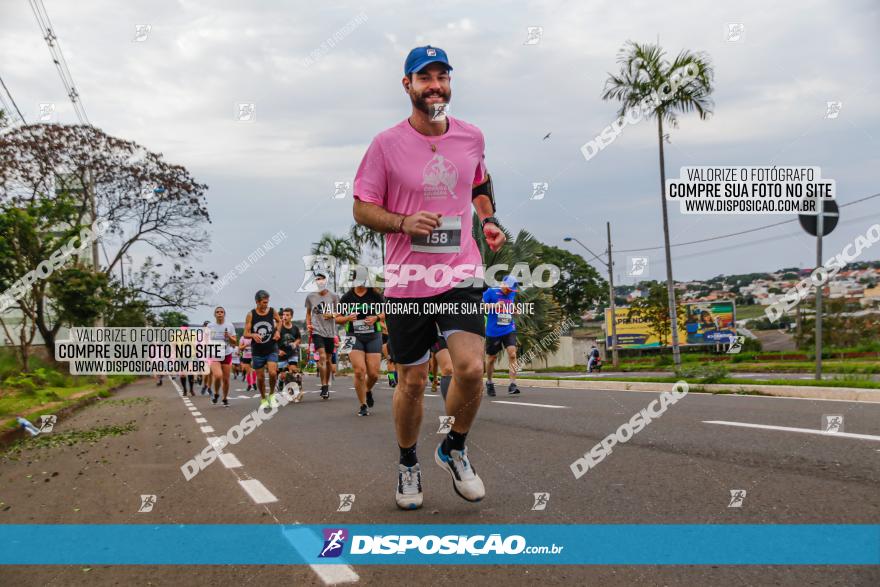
(176, 93)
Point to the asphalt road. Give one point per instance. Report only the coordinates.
(679, 469)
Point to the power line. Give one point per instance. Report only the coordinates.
(7, 94)
(58, 59)
(741, 232)
(770, 239)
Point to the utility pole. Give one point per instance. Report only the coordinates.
(819, 228)
(614, 354)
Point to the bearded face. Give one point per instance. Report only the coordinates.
(430, 86)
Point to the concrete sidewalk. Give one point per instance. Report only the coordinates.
(830, 393)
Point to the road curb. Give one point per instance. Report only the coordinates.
(831, 393)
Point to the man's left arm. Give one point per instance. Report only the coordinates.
(491, 231)
(483, 200)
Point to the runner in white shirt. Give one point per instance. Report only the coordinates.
(222, 331)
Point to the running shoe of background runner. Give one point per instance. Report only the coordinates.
(490, 389)
(512, 389)
(370, 401)
(363, 411)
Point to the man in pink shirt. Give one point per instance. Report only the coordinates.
(418, 183)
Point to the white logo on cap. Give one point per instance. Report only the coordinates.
(432, 52)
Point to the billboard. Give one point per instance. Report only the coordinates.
(705, 323)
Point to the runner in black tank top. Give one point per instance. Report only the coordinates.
(263, 326)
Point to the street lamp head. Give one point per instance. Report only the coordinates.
(567, 239)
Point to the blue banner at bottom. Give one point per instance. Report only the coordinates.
(413, 544)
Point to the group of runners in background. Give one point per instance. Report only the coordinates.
(270, 346)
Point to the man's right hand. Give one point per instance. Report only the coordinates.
(309, 327)
(420, 223)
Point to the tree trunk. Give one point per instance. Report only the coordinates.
(41, 324)
(670, 284)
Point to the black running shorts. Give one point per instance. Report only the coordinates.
(494, 344)
(324, 342)
(412, 334)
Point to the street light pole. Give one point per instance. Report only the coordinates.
(610, 266)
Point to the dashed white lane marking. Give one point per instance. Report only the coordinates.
(498, 401)
(207, 429)
(257, 491)
(789, 429)
(197, 414)
(335, 574)
(229, 460)
(305, 541)
(201, 421)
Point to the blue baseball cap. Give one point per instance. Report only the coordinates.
(419, 57)
(510, 283)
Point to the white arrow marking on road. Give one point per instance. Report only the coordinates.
(788, 429)
(498, 401)
(257, 491)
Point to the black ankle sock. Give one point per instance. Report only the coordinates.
(408, 456)
(454, 441)
(444, 384)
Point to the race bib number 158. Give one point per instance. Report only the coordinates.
(444, 239)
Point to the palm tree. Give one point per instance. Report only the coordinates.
(685, 85)
(343, 249)
(534, 328)
(364, 236)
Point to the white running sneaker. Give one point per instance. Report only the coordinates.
(465, 481)
(409, 487)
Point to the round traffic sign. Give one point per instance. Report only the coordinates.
(830, 214)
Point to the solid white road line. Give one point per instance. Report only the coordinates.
(499, 401)
(257, 491)
(201, 421)
(802, 430)
(207, 429)
(229, 460)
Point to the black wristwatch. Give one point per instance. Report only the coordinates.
(489, 220)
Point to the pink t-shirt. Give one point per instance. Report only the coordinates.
(401, 173)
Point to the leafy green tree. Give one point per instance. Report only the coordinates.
(648, 82)
(172, 319)
(37, 242)
(148, 202)
(80, 295)
(654, 311)
(580, 286)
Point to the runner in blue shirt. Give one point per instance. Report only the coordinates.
(501, 331)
